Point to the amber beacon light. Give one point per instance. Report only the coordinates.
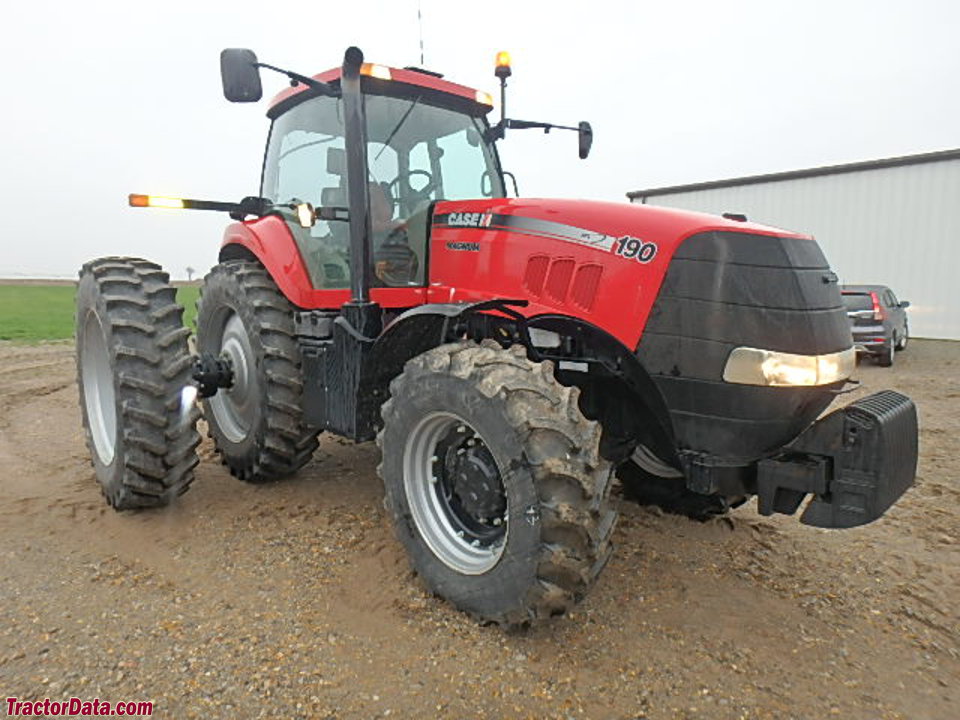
(503, 65)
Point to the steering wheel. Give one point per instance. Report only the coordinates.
(418, 195)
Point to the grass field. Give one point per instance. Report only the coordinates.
(30, 312)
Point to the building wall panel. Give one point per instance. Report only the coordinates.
(896, 226)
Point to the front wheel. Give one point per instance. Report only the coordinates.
(495, 482)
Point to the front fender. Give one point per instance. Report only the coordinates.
(414, 332)
(621, 393)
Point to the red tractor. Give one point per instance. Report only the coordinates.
(510, 356)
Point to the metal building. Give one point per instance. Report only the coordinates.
(891, 222)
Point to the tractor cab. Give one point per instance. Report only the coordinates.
(427, 140)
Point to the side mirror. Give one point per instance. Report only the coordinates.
(585, 138)
(905, 304)
(240, 75)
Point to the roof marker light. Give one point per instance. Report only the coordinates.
(484, 98)
(378, 71)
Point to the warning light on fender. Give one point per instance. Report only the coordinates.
(156, 201)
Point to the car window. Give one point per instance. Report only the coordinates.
(857, 301)
(892, 298)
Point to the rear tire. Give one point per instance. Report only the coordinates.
(886, 356)
(257, 423)
(495, 482)
(132, 364)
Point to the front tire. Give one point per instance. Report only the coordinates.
(257, 423)
(495, 482)
(132, 365)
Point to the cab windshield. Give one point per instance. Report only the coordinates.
(417, 154)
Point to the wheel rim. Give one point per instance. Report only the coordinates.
(99, 396)
(235, 407)
(455, 493)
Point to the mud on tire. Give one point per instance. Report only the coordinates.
(257, 424)
(558, 523)
(132, 363)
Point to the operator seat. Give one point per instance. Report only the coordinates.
(381, 211)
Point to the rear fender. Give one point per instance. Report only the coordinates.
(268, 240)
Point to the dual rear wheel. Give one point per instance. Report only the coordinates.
(135, 371)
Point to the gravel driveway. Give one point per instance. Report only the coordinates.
(294, 600)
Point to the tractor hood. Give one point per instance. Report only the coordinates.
(601, 261)
(667, 227)
(683, 289)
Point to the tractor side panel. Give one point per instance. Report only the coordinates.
(601, 262)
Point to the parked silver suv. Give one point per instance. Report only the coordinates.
(877, 319)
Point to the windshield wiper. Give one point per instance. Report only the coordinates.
(397, 128)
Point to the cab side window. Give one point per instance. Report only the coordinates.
(306, 163)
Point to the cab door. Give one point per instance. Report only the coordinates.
(306, 162)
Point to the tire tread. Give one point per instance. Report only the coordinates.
(573, 484)
(151, 365)
(284, 443)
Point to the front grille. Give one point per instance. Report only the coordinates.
(725, 290)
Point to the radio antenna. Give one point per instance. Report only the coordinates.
(420, 26)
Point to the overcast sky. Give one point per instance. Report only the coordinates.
(106, 98)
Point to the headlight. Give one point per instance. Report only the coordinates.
(750, 366)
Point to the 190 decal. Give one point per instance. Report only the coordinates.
(635, 248)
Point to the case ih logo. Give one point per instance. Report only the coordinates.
(466, 219)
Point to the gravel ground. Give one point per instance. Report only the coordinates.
(294, 600)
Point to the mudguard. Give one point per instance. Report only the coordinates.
(637, 399)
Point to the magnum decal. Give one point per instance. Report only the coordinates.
(459, 245)
(628, 247)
